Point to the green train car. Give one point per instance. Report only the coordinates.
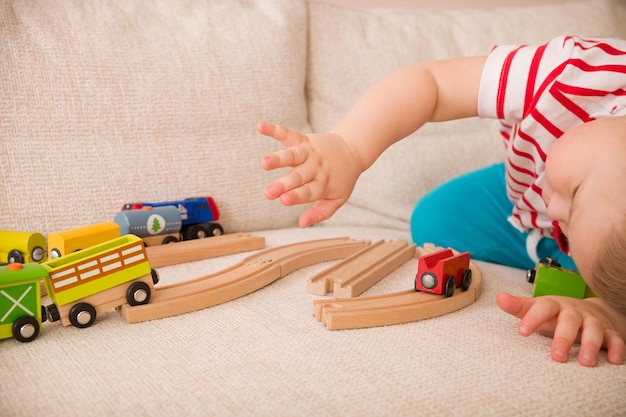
(21, 312)
(550, 278)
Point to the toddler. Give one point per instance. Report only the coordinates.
(562, 107)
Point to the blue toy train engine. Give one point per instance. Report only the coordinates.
(194, 218)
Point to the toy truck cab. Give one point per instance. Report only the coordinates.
(443, 272)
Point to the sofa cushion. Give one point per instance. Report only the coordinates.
(110, 101)
(350, 49)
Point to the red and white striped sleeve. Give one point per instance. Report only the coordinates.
(588, 70)
(541, 91)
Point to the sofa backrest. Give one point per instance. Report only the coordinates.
(114, 101)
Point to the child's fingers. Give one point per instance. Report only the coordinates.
(614, 346)
(289, 157)
(591, 339)
(308, 192)
(566, 331)
(297, 186)
(285, 135)
(320, 211)
(541, 312)
(516, 306)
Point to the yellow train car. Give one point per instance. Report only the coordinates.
(104, 276)
(22, 247)
(73, 240)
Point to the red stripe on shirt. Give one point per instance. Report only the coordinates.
(504, 78)
(532, 78)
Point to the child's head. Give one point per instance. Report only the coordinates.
(585, 193)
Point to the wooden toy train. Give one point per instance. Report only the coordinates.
(91, 269)
(81, 285)
(155, 223)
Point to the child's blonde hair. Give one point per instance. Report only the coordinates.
(609, 269)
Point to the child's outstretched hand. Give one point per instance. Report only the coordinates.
(324, 172)
(569, 320)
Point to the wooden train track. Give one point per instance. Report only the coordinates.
(194, 250)
(360, 271)
(247, 276)
(396, 308)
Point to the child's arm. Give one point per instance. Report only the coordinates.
(327, 166)
(568, 320)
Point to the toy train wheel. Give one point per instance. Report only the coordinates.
(530, 275)
(44, 314)
(215, 230)
(37, 254)
(138, 293)
(466, 280)
(155, 276)
(15, 257)
(197, 232)
(428, 280)
(25, 329)
(53, 312)
(82, 315)
(450, 286)
(168, 240)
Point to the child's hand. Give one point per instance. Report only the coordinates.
(568, 320)
(324, 172)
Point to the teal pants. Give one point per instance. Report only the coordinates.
(469, 213)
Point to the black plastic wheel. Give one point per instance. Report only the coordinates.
(168, 240)
(15, 257)
(450, 286)
(138, 293)
(467, 279)
(53, 312)
(215, 229)
(155, 276)
(82, 315)
(25, 329)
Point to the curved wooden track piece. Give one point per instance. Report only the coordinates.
(194, 250)
(356, 273)
(396, 308)
(240, 279)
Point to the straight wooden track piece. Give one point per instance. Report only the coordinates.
(356, 273)
(197, 249)
(251, 274)
(395, 308)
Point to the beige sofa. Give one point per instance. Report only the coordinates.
(105, 102)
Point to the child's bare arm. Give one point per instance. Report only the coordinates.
(405, 100)
(589, 322)
(327, 166)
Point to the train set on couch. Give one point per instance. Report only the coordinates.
(99, 267)
(94, 268)
(155, 223)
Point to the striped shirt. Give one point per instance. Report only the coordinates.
(539, 92)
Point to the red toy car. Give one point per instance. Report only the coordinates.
(442, 272)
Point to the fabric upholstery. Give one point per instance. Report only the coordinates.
(106, 102)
